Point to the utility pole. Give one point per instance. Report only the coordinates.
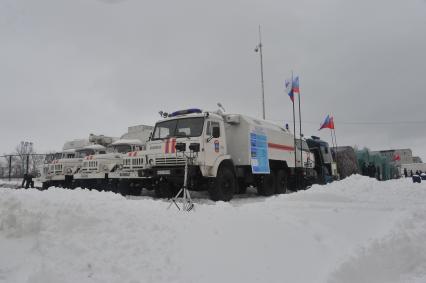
(259, 49)
(10, 166)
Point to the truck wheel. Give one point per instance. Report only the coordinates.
(123, 188)
(224, 185)
(114, 186)
(82, 184)
(281, 187)
(45, 185)
(135, 190)
(267, 185)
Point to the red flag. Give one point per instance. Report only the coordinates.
(328, 123)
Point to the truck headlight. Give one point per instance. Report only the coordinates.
(151, 161)
(68, 171)
(105, 168)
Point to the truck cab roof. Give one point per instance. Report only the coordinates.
(127, 141)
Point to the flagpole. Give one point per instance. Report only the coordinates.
(259, 48)
(335, 140)
(294, 125)
(300, 128)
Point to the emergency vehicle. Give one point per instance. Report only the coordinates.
(325, 167)
(43, 170)
(225, 154)
(96, 170)
(61, 171)
(129, 177)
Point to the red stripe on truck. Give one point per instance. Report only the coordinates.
(166, 148)
(280, 146)
(173, 149)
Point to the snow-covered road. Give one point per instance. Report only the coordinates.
(355, 230)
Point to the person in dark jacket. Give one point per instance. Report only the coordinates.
(28, 181)
(405, 173)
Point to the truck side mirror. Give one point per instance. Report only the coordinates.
(215, 132)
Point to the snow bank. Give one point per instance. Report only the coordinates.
(355, 230)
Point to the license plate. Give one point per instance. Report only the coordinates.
(163, 172)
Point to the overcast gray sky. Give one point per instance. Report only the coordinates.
(70, 68)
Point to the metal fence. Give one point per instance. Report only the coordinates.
(15, 166)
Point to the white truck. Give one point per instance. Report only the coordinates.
(43, 170)
(128, 179)
(61, 170)
(231, 152)
(96, 170)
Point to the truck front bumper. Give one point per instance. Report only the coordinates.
(95, 175)
(57, 178)
(127, 175)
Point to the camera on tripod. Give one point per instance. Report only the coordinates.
(194, 148)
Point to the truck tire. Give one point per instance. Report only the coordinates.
(45, 185)
(113, 185)
(281, 183)
(83, 184)
(123, 188)
(135, 190)
(267, 184)
(224, 186)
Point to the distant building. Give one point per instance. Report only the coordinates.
(397, 156)
(417, 159)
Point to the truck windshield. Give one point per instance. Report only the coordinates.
(120, 148)
(84, 152)
(185, 127)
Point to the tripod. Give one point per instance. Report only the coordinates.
(187, 203)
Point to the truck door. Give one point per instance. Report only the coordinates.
(213, 146)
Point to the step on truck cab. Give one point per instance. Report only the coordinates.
(61, 170)
(230, 152)
(96, 170)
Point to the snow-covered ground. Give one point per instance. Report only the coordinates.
(355, 230)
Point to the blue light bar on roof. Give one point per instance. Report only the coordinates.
(186, 111)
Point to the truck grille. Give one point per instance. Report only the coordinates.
(169, 161)
(89, 166)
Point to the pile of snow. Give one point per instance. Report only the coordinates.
(355, 230)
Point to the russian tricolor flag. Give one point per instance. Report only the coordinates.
(295, 87)
(292, 87)
(328, 123)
